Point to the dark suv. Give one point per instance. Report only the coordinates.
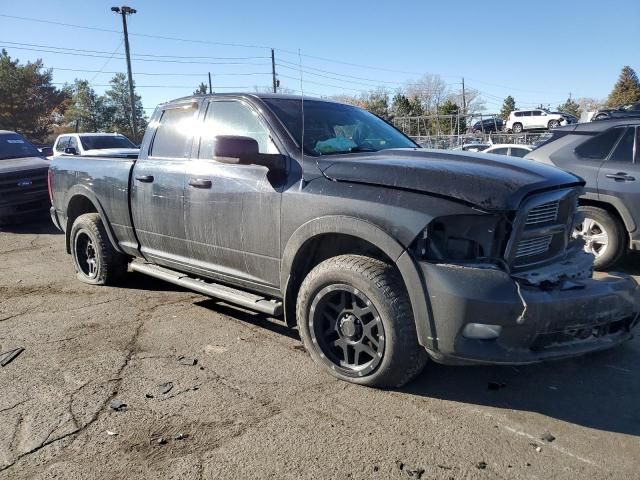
(607, 155)
(488, 125)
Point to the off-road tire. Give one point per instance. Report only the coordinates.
(110, 265)
(403, 358)
(616, 232)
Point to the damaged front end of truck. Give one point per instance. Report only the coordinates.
(517, 287)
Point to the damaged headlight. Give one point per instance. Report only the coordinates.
(463, 238)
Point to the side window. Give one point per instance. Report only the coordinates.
(62, 144)
(597, 148)
(536, 113)
(73, 143)
(518, 114)
(500, 151)
(637, 144)
(233, 118)
(526, 114)
(173, 133)
(518, 152)
(624, 149)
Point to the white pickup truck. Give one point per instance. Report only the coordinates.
(95, 144)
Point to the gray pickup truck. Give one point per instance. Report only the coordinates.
(381, 253)
(23, 178)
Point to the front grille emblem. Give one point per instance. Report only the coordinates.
(25, 182)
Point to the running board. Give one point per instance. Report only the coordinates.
(222, 292)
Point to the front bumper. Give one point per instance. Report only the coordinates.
(560, 320)
(20, 207)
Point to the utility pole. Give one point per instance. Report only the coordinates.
(464, 99)
(210, 86)
(273, 71)
(124, 11)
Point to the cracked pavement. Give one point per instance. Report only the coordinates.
(255, 405)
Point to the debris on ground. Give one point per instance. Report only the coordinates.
(10, 356)
(161, 441)
(538, 449)
(415, 473)
(111, 434)
(481, 465)
(399, 464)
(184, 360)
(165, 388)
(149, 395)
(547, 437)
(118, 405)
(181, 436)
(496, 385)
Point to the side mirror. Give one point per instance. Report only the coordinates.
(70, 151)
(238, 150)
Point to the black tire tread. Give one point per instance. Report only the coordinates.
(387, 280)
(113, 263)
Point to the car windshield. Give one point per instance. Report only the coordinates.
(98, 142)
(13, 145)
(332, 128)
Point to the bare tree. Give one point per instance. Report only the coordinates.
(430, 89)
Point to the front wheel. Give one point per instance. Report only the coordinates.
(94, 258)
(553, 124)
(517, 128)
(603, 235)
(355, 320)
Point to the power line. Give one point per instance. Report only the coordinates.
(158, 86)
(160, 74)
(151, 55)
(107, 62)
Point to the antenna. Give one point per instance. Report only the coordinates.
(302, 115)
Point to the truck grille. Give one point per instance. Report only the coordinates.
(23, 186)
(545, 213)
(534, 246)
(542, 230)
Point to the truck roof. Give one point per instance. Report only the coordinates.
(246, 94)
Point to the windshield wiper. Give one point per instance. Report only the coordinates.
(351, 150)
(362, 149)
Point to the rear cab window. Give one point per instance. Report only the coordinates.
(598, 147)
(172, 138)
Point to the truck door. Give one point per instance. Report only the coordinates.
(157, 186)
(232, 212)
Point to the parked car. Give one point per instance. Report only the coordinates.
(536, 119)
(472, 147)
(568, 117)
(488, 125)
(628, 111)
(607, 155)
(510, 149)
(23, 178)
(95, 144)
(382, 253)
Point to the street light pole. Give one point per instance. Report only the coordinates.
(124, 11)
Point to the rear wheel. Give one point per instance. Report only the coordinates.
(553, 124)
(517, 128)
(94, 258)
(355, 320)
(603, 234)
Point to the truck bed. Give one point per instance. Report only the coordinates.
(106, 180)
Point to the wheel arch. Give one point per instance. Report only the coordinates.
(81, 201)
(615, 207)
(339, 235)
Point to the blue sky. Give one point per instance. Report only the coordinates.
(536, 51)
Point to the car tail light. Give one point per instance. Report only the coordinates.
(49, 186)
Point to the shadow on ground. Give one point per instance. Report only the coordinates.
(598, 391)
(32, 224)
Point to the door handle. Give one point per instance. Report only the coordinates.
(144, 178)
(200, 183)
(620, 177)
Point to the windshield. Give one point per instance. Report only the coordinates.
(97, 142)
(332, 128)
(13, 145)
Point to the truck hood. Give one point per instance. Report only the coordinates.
(490, 182)
(112, 152)
(19, 164)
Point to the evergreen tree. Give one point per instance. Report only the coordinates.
(202, 89)
(86, 108)
(626, 90)
(400, 106)
(508, 106)
(29, 103)
(117, 101)
(570, 107)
